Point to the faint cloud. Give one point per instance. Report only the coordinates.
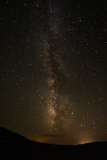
(50, 135)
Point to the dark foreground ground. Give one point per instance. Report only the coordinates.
(41, 151)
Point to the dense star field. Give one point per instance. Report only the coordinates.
(53, 68)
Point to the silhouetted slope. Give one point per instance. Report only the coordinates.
(9, 136)
(12, 137)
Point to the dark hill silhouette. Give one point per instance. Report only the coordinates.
(9, 136)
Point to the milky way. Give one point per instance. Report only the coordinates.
(57, 105)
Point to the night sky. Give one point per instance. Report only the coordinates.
(53, 69)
